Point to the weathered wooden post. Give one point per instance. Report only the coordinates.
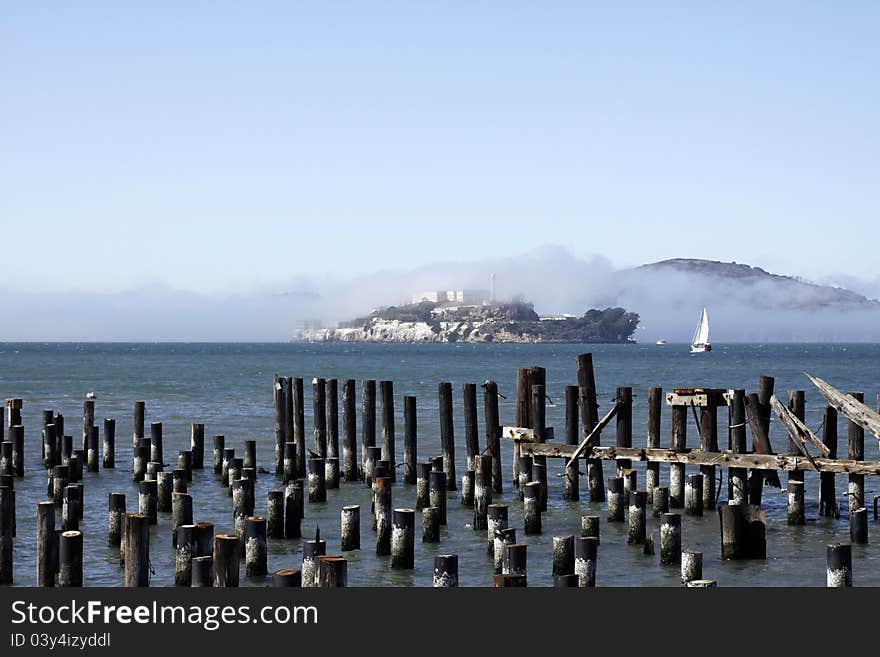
(243, 503)
(532, 508)
(539, 428)
(670, 539)
(227, 560)
(47, 544)
(709, 443)
(661, 501)
(296, 423)
(796, 404)
(624, 398)
(482, 490)
(471, 430)
(93, 452)
(858, 526)
(679, 444)
(181, 512)
(137, 550)
(317, 487)
(6, 458)
(70, 558)
(630, 481)
(289, 462)
(115, 515)
(202, 571)
(423, 472)
(796, 502)
(156, 442)
(256, 550)
(368, 419)
(523, 419)
(693, 495)
(311, 551)
(319, 416)
(515, 559)
(374, 455)
(539, 475)
(589, 420)
(140, 459)
(16, 437)
(496, 520)
(219, 454)
(60, 481)
(446, 571)
(503, 538)
(279, 404)
(571, 491)
(164, 488)
(838, 559)
(88, 422)
(827, 493)
(153, 468)
(585, 560)
(293, 509)
(350, 528)
(287, 578)
(652, 469)
(430, 524)
(349, 431)
(386, 393)
(140, 411)
(563, 555)
(383, 515)
(743, 532)
(109, 447)
(148, 499)
(275, 514)
(403, 530)
(234, 472)
(615, 506)
(691, 566)
(737, 477)
(437, 493)
(184, 540)
(856, 443)
(525, 472)
(331, 465)
(493, 433)
(331, 572)
(197, 446)
(70, 508)
(467, 488)
(50, 448)
(447, 433)
(178, 481)
(638, 501)
(590, 526)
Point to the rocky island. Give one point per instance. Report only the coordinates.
(516, 322)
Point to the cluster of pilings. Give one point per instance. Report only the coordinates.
(305, 473)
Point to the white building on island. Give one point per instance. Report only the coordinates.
(464, 297)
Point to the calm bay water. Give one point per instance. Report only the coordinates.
(229, 388)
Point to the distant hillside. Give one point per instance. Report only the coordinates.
(778, 291)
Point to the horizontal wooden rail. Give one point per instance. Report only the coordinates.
(724, 459)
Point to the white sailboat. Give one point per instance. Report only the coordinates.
(700, 342)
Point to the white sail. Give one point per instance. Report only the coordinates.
(701, 334)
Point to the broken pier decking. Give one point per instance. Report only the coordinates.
(725, 458)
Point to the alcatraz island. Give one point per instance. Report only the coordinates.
(474, 316)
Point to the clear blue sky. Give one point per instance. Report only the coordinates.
(236, 144)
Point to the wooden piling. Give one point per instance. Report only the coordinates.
(827, 490)
(331, 464)
(586, 558)
(156, 452)
(446, 571)
(563, 555)
(503, 538)
(47, 544)
(317, 487)
(296, 423)
(615, 506)
(858, 526)
(153, 468)
(670, 539)
(624, 398)
(287, 578)
(437, 493)
(275, 514)
(202, 571)
(178, 481)
(797, 405)
(181, 512)
(743, 532)
(50, 448)
(256, 550)
(219, 450)
(856, 445)
(319, 416)
(234, 468)
(164, 488)
(137, 550)
(590, 526)
(403, 526)
(350, 458)
(467, 488)
(243, 504)
(16, 437)
(796, 502)
(482, 490)
(539, 475)
(515, 560)
(738, 477)
(386, 396)
(227, 560)
(423, 472)
(638, 501)
(115, 514)
(197, 445)
(374, 455)
(430, 524)
(655, 409)
(184, 540)
(70, 558)
(293, 509)
(525, 472)
(532, 508)
(88, 422)
(109, 447)
(691, 566)
(311, 551)
(661, 501)
(471, 430)
(838, 559)
(447, 433)
(383, 515)
(289, 462)
(93, 453)
(693, 495)
(496, 520)
(331, 572)
(140, 410)
(279, 404)
(60, 481)
(70, 508)
(589, 409)
(493, 433)
(7, 523)
(368, 418)
(148, 494)
(350, 528)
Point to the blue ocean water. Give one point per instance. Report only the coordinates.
(228, 387)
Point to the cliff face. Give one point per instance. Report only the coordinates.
(507, 323)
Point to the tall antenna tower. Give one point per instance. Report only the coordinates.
(492, 288)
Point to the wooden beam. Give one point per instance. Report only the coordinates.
(788, 419)
(584, 447)
(849, 406)
(725, 459)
